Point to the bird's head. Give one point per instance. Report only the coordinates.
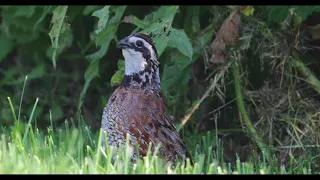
(141, 59)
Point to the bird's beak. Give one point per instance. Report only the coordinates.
(123, 43)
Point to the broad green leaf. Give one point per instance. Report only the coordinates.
(163, 17)
(65, 41)
(58, 26)
(171, 78)
(136, 21)
(156, 28)
(106, 35)
(278, 14)
(89, 9)
(179, 40)
(118, 76)
(121, 64)
(158, 24)
(103, 15)
(305, 11)
(161, 42)
(166, 14)
(99, 54)
(181, 61)
(6, 46)
(248, 11)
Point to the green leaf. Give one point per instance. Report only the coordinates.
(163, 17)
(161, 42)
(136, 21)
(65, 41)
(118, 76)
(103, 15)
(104, 38)
(278, 14)
(171, 78)
(305, 11)
(158, 24)
(89, 9)
(248, 11)
(181, 61)
(58, 27)
(92, 71)
(166, 14)
(99, 54)
(6, 46)
(179, 40)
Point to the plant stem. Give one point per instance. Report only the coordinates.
(244, 114)
(311, 79)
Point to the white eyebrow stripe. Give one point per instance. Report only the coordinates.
(133, 39)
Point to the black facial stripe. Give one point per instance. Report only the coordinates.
(145, 51)
(149, 40)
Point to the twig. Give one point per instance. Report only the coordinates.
(205, 95)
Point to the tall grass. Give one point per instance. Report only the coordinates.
(69, 150)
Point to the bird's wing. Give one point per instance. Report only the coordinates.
(145, 119)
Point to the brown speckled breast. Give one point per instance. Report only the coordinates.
(141, 113)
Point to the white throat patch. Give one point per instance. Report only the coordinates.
(134, 61)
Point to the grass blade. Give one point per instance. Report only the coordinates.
(29, 122)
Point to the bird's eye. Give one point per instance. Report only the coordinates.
(139, 43)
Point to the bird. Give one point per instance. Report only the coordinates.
(136, 107)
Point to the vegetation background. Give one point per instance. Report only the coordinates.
(247, 75)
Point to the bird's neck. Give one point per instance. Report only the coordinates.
(148, 77)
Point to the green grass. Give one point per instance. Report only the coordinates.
(70, 150)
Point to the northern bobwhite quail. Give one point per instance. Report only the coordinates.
(136, 107)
